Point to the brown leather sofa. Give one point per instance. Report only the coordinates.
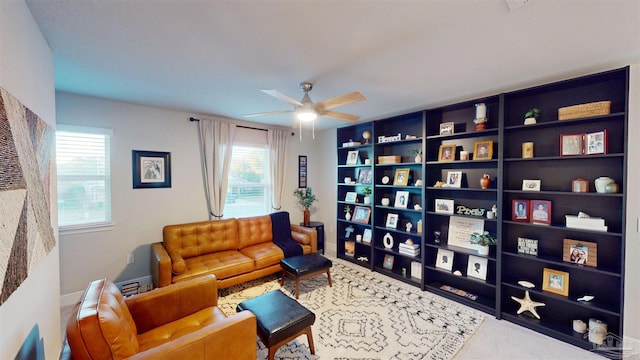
(235, 250)
(180, 321)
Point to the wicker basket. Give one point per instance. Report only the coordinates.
(392, 159)
(584, 110)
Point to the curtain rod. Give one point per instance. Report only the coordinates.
(240, 126)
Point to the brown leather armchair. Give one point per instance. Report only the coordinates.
(180, 321)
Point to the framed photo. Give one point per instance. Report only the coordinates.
(460, 230)
(580, 252)
(392, 221)
(530, 185)
(401, 177)
(571, 144)
(444, 206)
(527, 246)
(447, 152)
(302, 171)
(402, 199)
(364, 176)
(520, 210)
(366, 236)
(361, 214)
(477, 267)
(596, 143)
(454, 179)
(349, 248)
(555, 281)
(540, 212)
(388, 262)
(151, 169)
(444, 259)
(351, 197)
(352, 157)
(483, 150)
(447, 128)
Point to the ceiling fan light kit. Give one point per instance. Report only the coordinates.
(306, 111)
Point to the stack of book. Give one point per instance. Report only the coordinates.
(590, 223)
(130, 289)
(409, 249)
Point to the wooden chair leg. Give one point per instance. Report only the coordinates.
(329, 277)
(310, 340)
(283, 275)
(297, 288)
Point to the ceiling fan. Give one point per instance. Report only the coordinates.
(306, 110)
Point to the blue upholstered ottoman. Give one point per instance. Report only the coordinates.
(305, 266)
(280, 319)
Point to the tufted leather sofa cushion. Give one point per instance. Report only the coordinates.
(254, 230)
(194, 239)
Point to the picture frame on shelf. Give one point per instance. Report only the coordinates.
(447, 128)
(444, 206)
(364, 176)
(580, 252)
(447, 152)
(361, 214)
(531, 185)
(392, 221)
(460, 230)
(555, 281)
(444, 259)
(483, 150)
(540, 211)
(387, 263)
(401, 177)
(596, 143)
(366, 236)
(349, 248)
(151, 169)
(520, 210)
(571, 144)
(477, 267)
(352, 157)
(402, 199)
(527, 246)
(351, 197)
(454, 179)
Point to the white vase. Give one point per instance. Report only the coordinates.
(367, 200)
(602, 182)
(347, 216)
(483, 250)
(418, 158)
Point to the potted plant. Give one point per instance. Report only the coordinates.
(417, 153)
(347, 212)
(531, 116)
(306, 198)
(483, 241)
(366, 192)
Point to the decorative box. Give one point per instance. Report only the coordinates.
(584, 110)
(389, 159)
(580, 185)
(351, 144)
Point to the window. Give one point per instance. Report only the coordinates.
(248, 190)
(84, 186)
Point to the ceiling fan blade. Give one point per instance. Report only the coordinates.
(278, 95)
(269, 113)
(340, 100)
(340, 116)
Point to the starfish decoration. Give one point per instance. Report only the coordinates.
(526, 304)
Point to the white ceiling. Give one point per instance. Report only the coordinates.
(213, 57)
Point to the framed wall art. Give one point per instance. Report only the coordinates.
(483, 150)
(580, 252)
(302, 171)
(555, 281)
(151, 169)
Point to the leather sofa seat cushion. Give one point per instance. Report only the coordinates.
(264, 255)
(181, 327)
(254, 230)
(222, 264)
(199, 238)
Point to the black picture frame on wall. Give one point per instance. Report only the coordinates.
(151, 169)
(302, 171)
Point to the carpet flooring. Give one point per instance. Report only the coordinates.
(366, 315)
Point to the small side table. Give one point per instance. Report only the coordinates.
(319, 226)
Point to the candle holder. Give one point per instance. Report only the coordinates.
(481, 117)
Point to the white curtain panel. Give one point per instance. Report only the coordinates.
(216, 145)
(277, 140)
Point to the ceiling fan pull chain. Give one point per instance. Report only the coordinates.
(313, 130)
(300, 131)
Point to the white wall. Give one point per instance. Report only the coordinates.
(26, 71)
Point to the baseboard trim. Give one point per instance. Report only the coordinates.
(73, 298)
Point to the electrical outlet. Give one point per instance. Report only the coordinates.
(130, 258)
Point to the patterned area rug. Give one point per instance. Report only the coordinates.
(366, 315)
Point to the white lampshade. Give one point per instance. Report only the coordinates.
(306, 114)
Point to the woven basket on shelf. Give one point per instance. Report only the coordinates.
(584, 110)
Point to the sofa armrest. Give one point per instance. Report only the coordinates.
(164, 305)
(233, 337)
(306, 236)
(160, 265)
